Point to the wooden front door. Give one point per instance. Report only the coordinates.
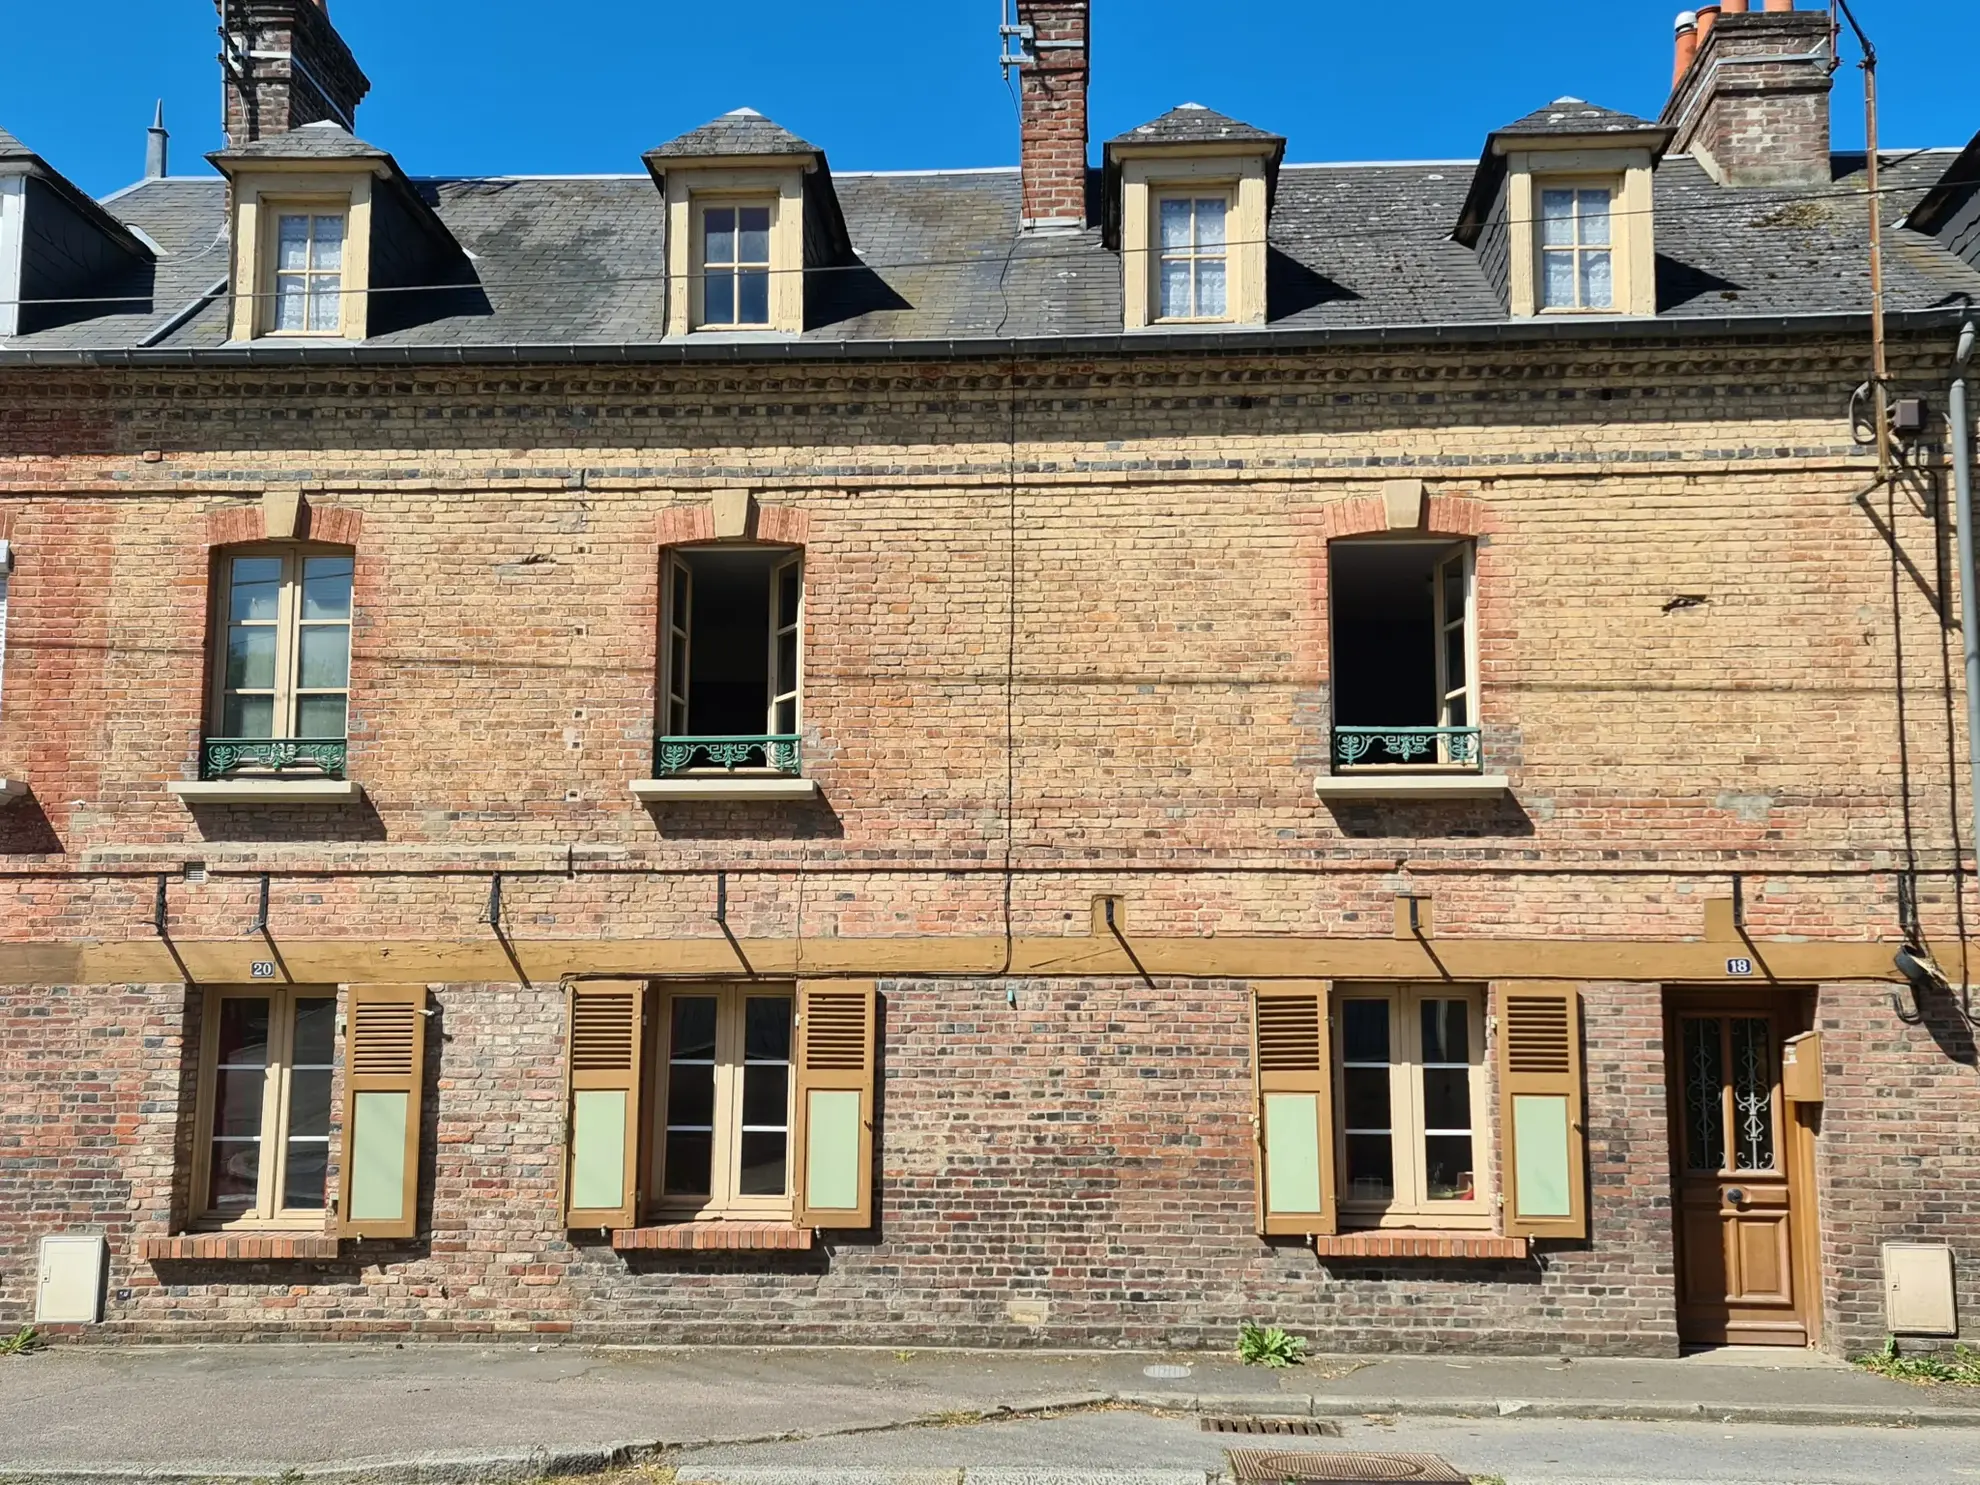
(1734, 1157)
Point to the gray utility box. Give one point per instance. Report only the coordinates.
(70, 1291)
(1918, 1289)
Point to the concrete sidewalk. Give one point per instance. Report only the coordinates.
(440, 1413)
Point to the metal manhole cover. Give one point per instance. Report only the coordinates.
(1282, 1467)
(1306, 1428)
(1165, 1373)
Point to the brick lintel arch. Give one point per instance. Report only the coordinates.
(733, 516)
(279, 518)
(1402, 506)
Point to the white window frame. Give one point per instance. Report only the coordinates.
(704, 271)
(1162, 255)
(724, 1199)
(1457, 696)
(274, 1136)
(1613, 248)
(5, 574)
(677, 630)
(288, 625)
(1412, 1205)
(276, 210)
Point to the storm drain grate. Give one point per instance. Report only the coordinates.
(1303, 1428)
(1278, 1467)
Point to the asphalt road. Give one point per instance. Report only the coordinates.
(1522, 1452)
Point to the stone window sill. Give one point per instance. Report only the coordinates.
(1353, 786)
(1402, 1243)
(712, 1237)
(267, 791)
(765, 787)
(239, 1246)
(12, 789)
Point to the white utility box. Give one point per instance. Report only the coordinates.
(71, 1287)
(1918, 1289)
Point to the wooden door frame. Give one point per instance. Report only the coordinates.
(1794, 1005)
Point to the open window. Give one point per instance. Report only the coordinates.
(264, 1118)
(1405, 655)
(732, 661)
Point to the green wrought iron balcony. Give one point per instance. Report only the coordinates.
(1401, 747)
(776, 753)
(316, 757)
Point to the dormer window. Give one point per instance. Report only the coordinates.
(1577, 247)
(1195, 250)
(1189, 208)
(736, 265)
(309, 269)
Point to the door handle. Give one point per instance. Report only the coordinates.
(1735, 1197)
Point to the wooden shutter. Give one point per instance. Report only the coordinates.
(601, 1155)
(384, 1066)
(1294, 1121)
(837, 1051)
(1542, 1149)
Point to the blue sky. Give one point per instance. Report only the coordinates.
(519, 86)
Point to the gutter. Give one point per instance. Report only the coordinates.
(1549, 331)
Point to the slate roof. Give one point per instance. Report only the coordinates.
(743, 132)
(12, 149)
(324, 141)
(1574, 116)
(1356, 250)
(1192, 123)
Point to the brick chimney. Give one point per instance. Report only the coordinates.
(284, 65)
(1752, 106)
(1052, 104)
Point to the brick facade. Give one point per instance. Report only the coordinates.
(1146, 603)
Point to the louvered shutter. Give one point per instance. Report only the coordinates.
(601, 1171)
(384, 1065)
(1542, 1149)
(1294, 1121)
(838, 1027)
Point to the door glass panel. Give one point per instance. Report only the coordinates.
(689, 1147)
(240, 1079)
(1753, 1093)
(766, 1095)
(1367, 1117)
(1447, 1167)
(1704, 1082)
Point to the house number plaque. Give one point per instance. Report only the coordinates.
(262, 969)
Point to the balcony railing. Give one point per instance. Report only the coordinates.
(774, 753)
(315, 756)
(1402, 747)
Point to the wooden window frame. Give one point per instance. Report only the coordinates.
(268, 288)
(705, 202)
(267, 1216)
(1160, 255)
(677, 641)
(1412, 1207)
(1616, 247)
(288, 625)
(724, 1202)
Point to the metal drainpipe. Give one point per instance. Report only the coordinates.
(1969, 598)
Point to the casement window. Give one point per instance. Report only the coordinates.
(1577, 246)
(732, 660)
(264, 1149)
(1405, 655)
(6, 567)
(1194, 251)
(282, 669)
(705, 1102)
(1409, 1103)
(305, 281)
(1373, 1112)
(267, 1066)
(735, 265)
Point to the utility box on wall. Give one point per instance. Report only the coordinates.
(1801, 1067)
(71, 1288)
(1918, 1289)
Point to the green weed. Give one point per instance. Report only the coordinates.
(1260, 1345)
(1961, 1369)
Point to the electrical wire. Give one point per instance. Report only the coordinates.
(1041, 250)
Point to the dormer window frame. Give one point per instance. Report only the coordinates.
(261, 199)
(694, 187)
(277, 210)
(1582, 246)
(1627, 174)
(1193, 254)
(1174, 172)
(738, 201)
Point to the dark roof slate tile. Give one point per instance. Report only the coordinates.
(743, 132)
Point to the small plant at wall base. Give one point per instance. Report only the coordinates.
(23, 1342)
(1961, 1370)
(1260, 1345)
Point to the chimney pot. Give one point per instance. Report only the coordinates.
(1708, 17)
(1753, 107)
(1774, 7)
(1687, 44)
(1734, 7)
(157, 145)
